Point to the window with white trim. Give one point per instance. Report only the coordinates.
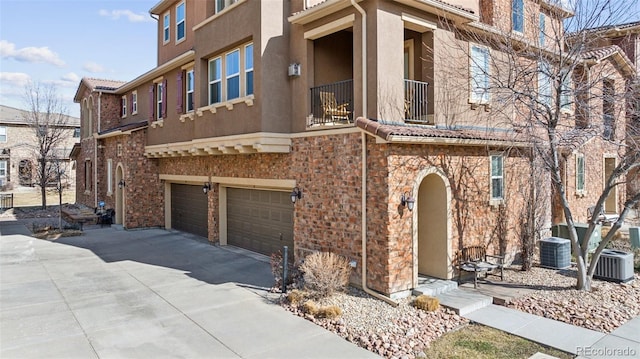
(159, 96)
(3, 133)
(566, 90)
(248, 68)
(166, 23)
(517, 15)
(3, 169)
(544, 83)
(497, 177)
(180, 22)
(237, 68)
(541, 35)
(76, 132)
(189, 90)
(221, 4)
(134, 102)
(479, 75)
(580, 179)
(123, 101)
(109, 174)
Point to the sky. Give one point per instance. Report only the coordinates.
(61, 41)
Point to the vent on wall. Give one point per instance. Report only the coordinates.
(615, 266)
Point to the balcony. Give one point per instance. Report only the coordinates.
(416, 102)
(332, 104)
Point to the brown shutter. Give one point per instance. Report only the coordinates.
(152, 101)
(131, 103)
(179, 93)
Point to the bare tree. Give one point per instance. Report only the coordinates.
(556, 93)
(47, 117)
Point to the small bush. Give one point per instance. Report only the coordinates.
(310, 307)
(329, 312)
(296, 296)
(324, 273)
(427, 303)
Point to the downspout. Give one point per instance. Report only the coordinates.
(364, 227)
(95, 156)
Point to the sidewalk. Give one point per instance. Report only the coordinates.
(145, 294)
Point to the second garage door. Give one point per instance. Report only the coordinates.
(261, 221)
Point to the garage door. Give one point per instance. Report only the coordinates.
(189, 209)
(261, 221)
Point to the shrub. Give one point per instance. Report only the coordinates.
(329, 312)
(310, 307)
(427, 303)
(325, 273)
(295, 297)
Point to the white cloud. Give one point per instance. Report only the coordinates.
(69, 80)
(29, 54)
(128, 14)
(14, 79)
(93, 67)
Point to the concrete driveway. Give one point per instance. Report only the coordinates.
(145, 294)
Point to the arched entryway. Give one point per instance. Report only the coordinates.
(433, 252)
(119, 195)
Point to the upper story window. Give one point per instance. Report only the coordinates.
(3, 169)
(479, 75)
(566, 91)
(517, 15)
(221, 4)
(237, 68)
(159, 98)
(166, 22)
(544, 83)
(124, 106)
(134, 102)
(189, 90)
(180, 22)
(497, 177)
(248, 64)
(541, 35)
(3, 134)
(76, 132)
(608, 108)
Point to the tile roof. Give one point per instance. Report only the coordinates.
(102, 84)
(437, 1)
(389, 131)
(629, 25)
(125, 127)
(10, 115)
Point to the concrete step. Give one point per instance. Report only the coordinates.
(463, 302)
(433, 286)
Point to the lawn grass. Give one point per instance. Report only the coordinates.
(31, 197)
(478, 341)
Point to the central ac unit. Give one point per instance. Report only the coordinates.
(555, 253)
(615, 266)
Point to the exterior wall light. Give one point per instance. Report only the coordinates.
(296, 194)
(407, 200)
(121, 184)
(206, 188)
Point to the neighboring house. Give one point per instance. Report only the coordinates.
(18, 144)
(341, 106)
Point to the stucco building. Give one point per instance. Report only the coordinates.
(354, 109)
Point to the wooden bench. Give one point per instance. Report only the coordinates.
(79, 217)
(474, 259)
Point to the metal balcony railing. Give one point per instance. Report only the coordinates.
(332, 104)
(416, 101)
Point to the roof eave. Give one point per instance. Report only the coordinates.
(158, 71)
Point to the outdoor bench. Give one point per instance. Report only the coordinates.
(474, 259)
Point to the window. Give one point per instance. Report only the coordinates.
(479, 73)
(544, 83)
(608, 108)
(159, 97)
(566, 91)
(215, 80)
(233, 74)
(109, 170)
(180, 22)
(3, 134)
(221, 4)
(517, 15)
(248, 65)
(237, 68)
(3, 169)
(165, 32)
(541, 35)
(119, 150)
(124, 106)
(579, 174)
(76, 132)
(497, 177)
(134, 102)
(189, 90)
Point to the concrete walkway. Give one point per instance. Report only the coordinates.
(145, 294)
